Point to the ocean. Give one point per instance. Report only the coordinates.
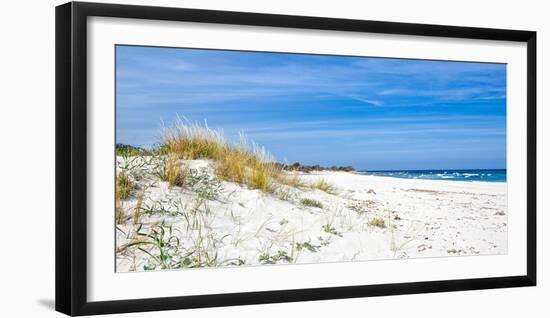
(483, 175)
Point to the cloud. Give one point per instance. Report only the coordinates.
(368, 101)
(471, 93)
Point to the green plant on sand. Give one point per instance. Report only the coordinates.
(377, 222)
(311, 202)
(323, 185)
(124, 186)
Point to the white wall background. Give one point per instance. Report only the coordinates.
(27, 157)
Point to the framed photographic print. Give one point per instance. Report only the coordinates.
(209, 158)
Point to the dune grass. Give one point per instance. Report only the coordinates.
(169, 169)
(292, 179)
(323, 185)
(193, 141)
(262, 177)
(138, 207)
(176, 174)
(233, 167)
(119, 209)
(124, 186)
(243, 162)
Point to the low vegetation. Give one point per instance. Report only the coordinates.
(307, 246)
(292, 180)
(174, 173)
(119, 209)
(280, 256)
(138, 207)
(328, 228)
(161, 245)
(311, 202)
(124, 186)
(377, 222)
(323, 185)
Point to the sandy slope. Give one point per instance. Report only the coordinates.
(423, 218)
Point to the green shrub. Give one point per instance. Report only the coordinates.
(377, 222)
(311, 203)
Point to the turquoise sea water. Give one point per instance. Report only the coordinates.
(484, 175)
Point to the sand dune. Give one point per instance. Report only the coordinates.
(364, 218)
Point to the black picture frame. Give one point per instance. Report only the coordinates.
(71, 157)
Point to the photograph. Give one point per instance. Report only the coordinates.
(227, 158)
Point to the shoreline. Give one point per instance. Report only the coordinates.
(362, 173)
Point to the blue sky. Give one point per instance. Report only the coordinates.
(370, 113)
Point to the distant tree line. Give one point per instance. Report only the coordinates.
(308, 168)
(128, 150)
(125, 147)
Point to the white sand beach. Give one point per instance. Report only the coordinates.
(363, 218)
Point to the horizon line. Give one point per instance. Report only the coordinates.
(398, 170)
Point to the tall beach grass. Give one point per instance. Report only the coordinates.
(243, 162)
